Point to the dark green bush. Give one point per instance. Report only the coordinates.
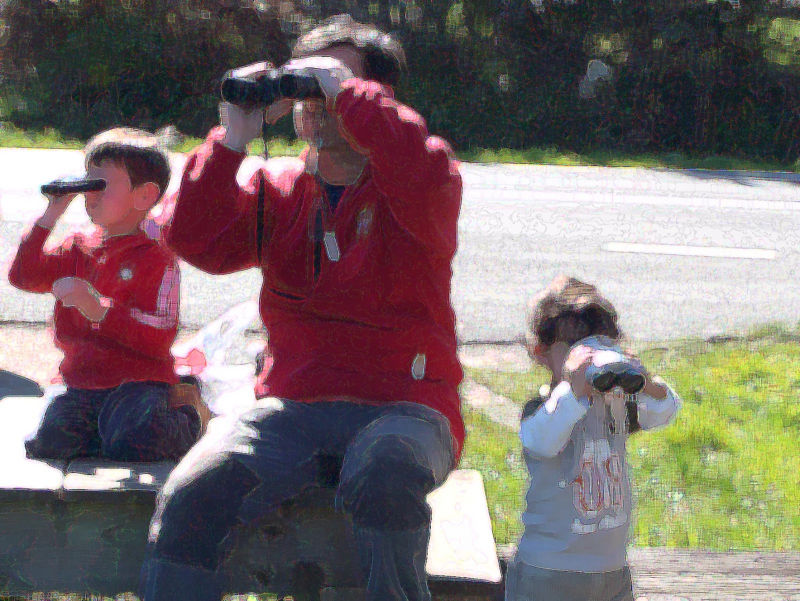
(692, 76)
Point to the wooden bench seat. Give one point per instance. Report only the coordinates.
(82, 527)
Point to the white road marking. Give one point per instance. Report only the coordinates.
(691, 251)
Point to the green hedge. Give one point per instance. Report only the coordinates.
(692, 76)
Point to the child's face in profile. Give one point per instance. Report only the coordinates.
(117, 203)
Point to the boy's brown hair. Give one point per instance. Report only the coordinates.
(567, 311)
(140, 153)
(383, 55)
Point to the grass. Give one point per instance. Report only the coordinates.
(13, 137)
(277, 146)
(611, 158)
(724, 475)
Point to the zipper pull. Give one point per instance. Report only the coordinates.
(418, 367)
(331, 246)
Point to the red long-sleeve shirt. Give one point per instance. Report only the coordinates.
(360, 310)
(141, 281)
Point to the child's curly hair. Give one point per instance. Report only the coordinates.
(568, 310)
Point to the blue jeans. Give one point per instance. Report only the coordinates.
(131, 422)
(529, 583)
(391, 457)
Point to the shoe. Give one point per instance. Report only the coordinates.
(188, 392)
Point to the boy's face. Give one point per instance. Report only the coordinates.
(117, 203)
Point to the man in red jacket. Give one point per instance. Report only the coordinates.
(355, 244)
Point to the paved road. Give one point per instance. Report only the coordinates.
(522, 225)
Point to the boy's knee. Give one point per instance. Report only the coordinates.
(132, 422)
(58, 446)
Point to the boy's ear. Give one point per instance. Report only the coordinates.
(147, 195)
(537, 352)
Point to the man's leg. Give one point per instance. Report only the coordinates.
(69, 427)
(137, 424)
(389, 468)
(263, 454)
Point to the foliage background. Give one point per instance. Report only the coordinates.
(694, 76)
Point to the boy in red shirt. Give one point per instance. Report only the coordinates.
(116, 314)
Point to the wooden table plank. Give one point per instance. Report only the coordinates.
(462, 544)
(19, 419)
(662, 574)
(104, 475)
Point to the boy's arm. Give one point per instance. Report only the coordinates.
(655, 406)
(213, 224)
(547, 431)
(416, 171)
(148, 324)
(34, 269)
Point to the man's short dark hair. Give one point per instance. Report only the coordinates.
(383, 55)
(138, 152)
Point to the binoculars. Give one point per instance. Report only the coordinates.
(611, 368)
(73, 185)
(605, 377)
(251, 92)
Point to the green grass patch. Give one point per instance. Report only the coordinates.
(13, 137)
(277, 146)
(496, 453)
(611, 158)
(724, 475)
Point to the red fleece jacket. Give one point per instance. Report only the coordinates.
(356, 301)
(139, 279)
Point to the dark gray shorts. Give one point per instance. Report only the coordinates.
(527, 583)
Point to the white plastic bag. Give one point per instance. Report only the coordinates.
(221, 358)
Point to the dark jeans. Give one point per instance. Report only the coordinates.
(391, 457)
(528, 583)
(131, 422)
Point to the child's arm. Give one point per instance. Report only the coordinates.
(655, 405)
(149, 322)
(33, 269)
(547, 431)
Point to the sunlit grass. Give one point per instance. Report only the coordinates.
(612, 158)
(13, 137)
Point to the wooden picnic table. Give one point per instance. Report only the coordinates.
(81, 526)
(666, 574)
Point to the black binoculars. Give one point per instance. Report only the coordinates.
(621, 374)
(250, 92)
(73, 185)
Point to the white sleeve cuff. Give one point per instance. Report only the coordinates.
(654, 413)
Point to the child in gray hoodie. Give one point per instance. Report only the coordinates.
(579, 502)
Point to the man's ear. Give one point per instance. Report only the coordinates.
(147, 195)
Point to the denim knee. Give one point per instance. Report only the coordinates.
(192, 520)
(387, 489)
